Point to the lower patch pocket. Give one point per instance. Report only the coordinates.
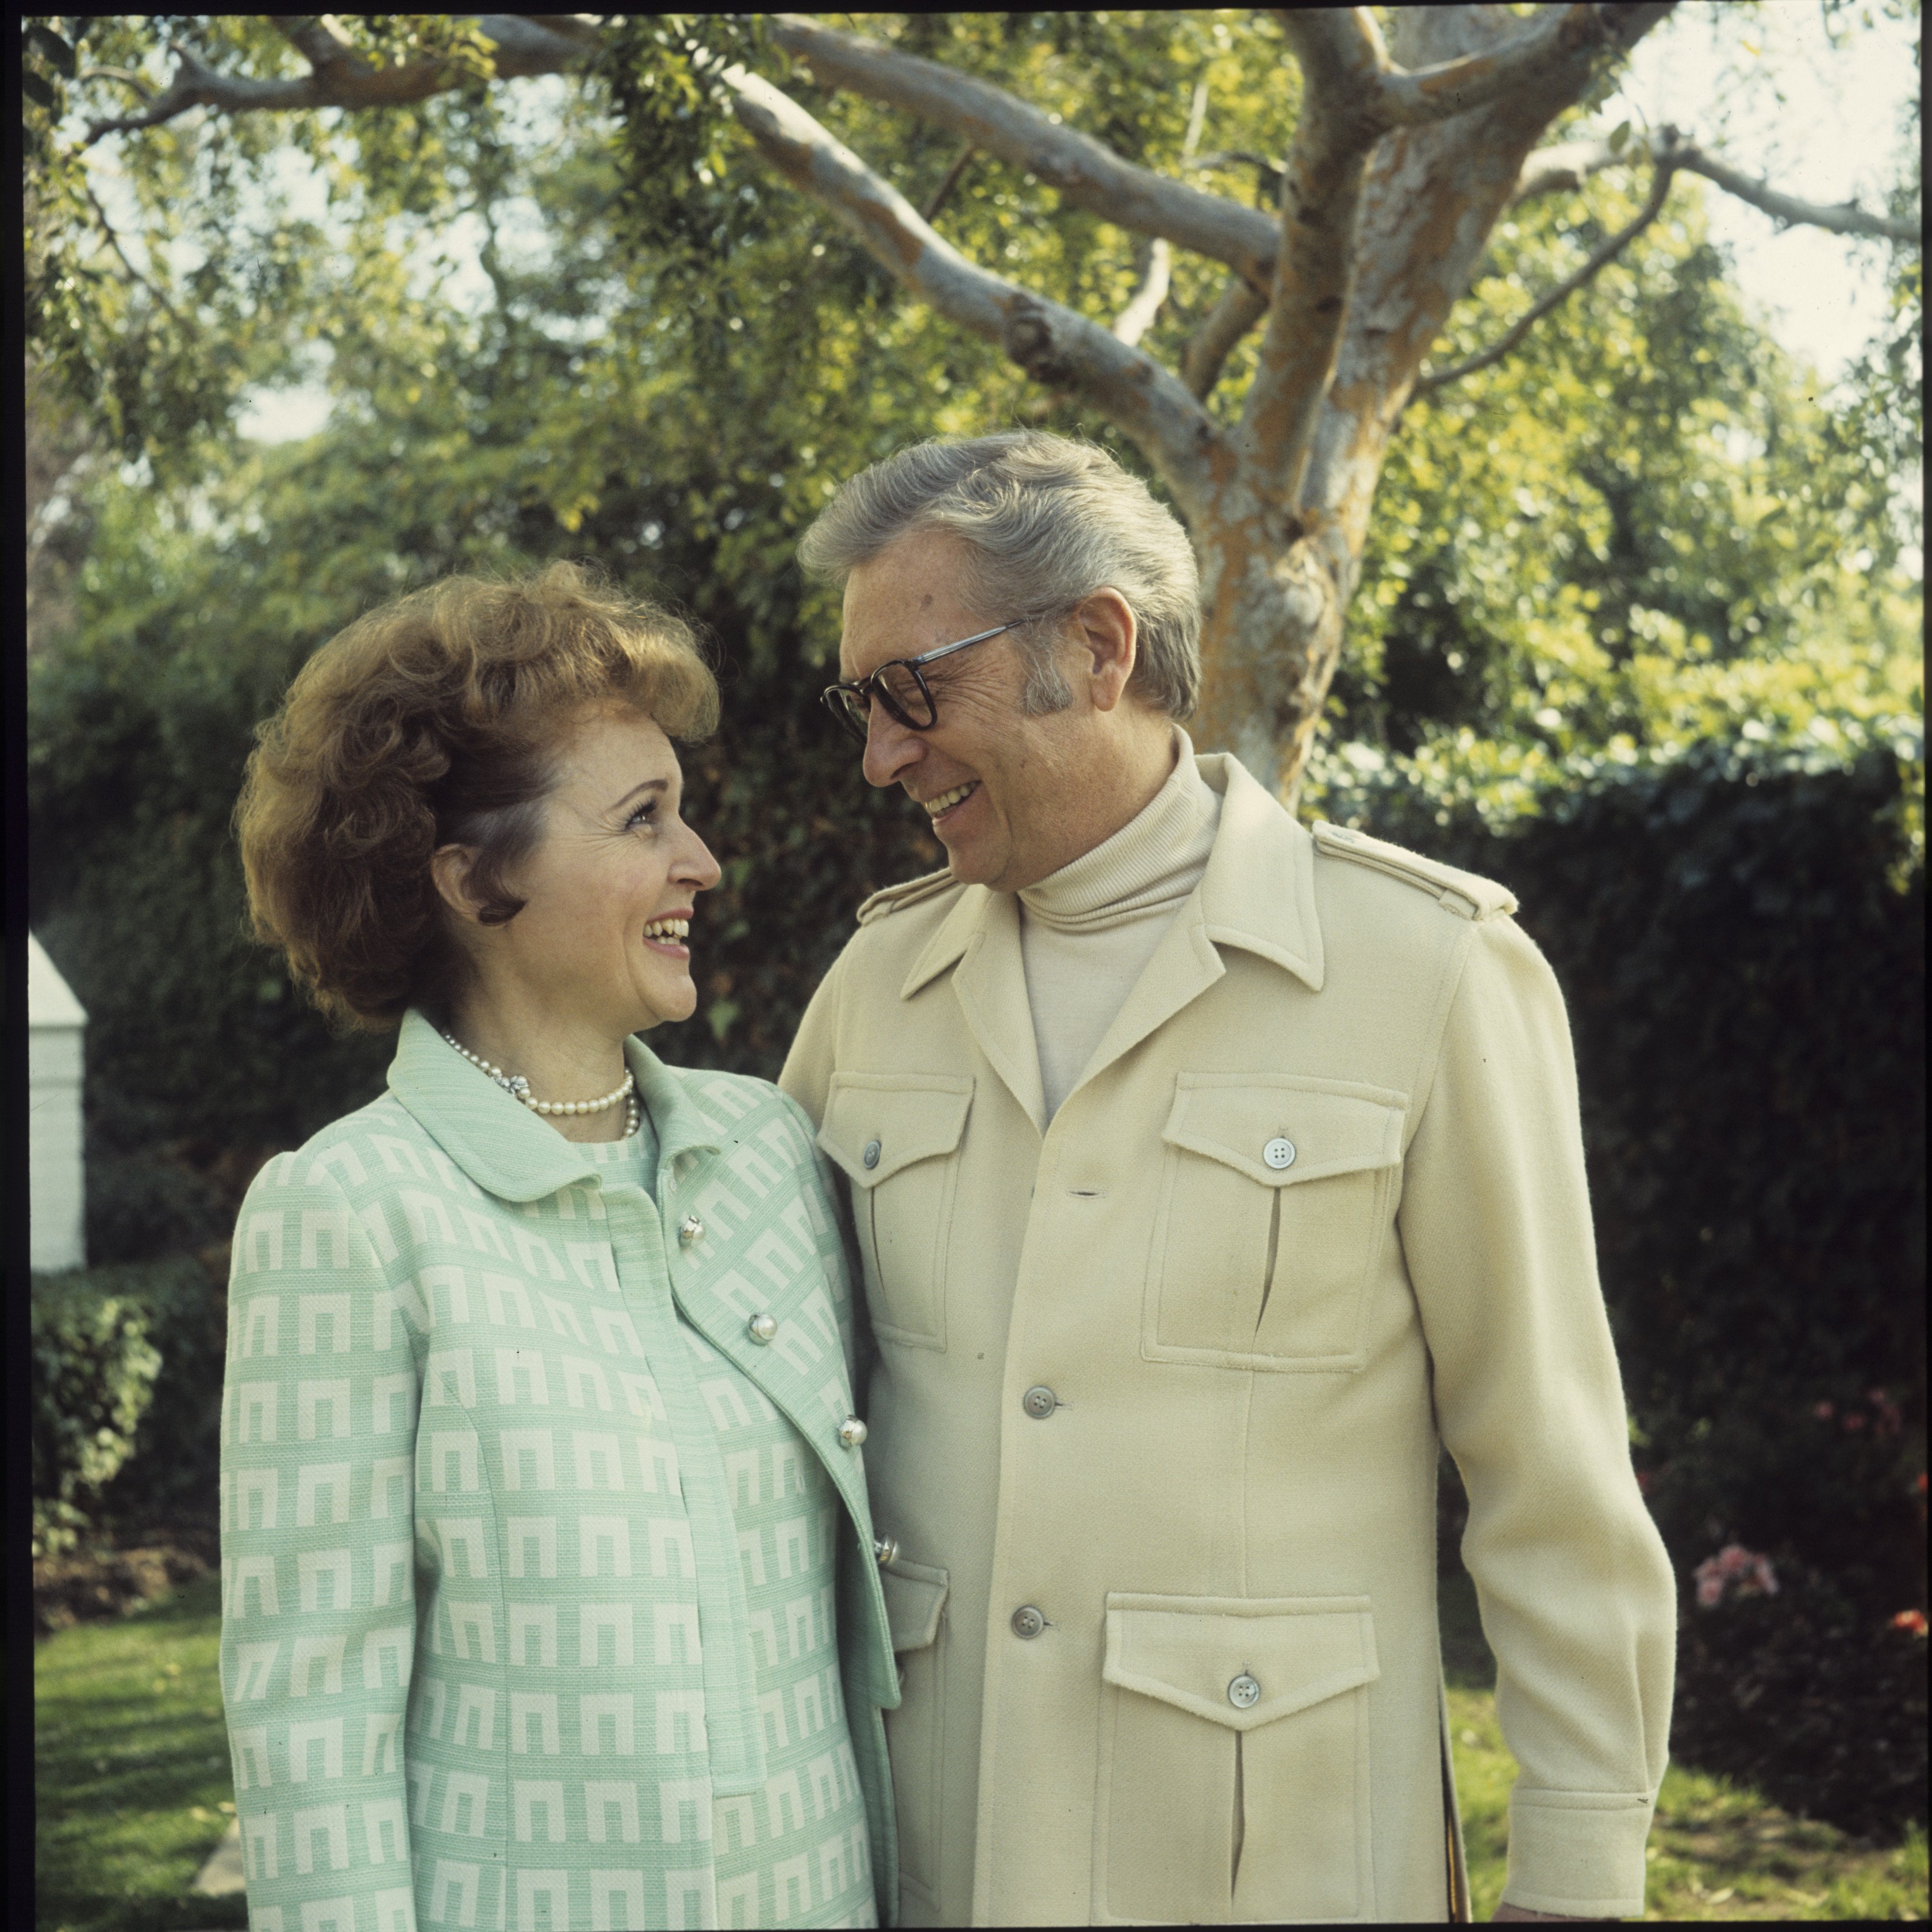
(1234, 1760)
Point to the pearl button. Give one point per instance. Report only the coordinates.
(690, 1229)
(1278, 1153)
(1244, 1693)
(1039, 1403)
(1028, 1621)
(851, 1431)
(763, 1328)
(886, 1549)
(870, 1154)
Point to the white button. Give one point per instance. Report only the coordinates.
(851, 1431)
(1039, 1403)
(1028, 1621)
(871, 1155)
(1278, 1153)
(1244, 1693)
(762, 1326)
(690, 1229)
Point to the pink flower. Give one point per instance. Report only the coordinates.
(1854, 1421)
(1823, 1410)
(1734, 1567)
(1913, 1621)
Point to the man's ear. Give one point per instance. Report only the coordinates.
(450, 866)
(1110, 637)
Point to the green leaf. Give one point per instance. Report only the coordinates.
(52, 48)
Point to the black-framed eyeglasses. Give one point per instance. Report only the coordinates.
(901, 687)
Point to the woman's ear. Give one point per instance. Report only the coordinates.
(450, 866)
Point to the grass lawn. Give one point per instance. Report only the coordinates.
(131, 1770)
(133, 1793)
(1716, 1850)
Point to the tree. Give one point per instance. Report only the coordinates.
(1398, 169)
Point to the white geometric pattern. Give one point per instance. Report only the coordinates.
(519, 1587)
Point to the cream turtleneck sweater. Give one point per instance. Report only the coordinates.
(1087, 931)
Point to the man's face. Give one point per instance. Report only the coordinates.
(996, 785)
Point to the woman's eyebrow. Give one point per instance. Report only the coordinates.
(650, 785)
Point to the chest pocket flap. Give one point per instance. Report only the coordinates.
(915, 1596)
(878, 1123)
(1194, 1652)
(1280, 1128)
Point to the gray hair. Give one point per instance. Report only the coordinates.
(1048, 521)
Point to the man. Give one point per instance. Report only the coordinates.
(1205, 1172)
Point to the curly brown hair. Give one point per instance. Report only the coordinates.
(436, 720)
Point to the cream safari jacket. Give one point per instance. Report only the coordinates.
(1160, 1386)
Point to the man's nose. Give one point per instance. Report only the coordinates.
(890, 748)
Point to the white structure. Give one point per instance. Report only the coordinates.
(55, 1021)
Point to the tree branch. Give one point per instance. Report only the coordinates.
(944, 193)
(339, 77)
(1137, 318)
(1845, 218)
(1430, 381)
(1560, 169)
(166, 308)
(1054, 345)
(1341, 57)
(1547, 47)
(1086, 173)
(1231, 318)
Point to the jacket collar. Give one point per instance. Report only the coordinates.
(512, 1153)
(1257, 893)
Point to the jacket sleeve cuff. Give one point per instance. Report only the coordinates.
(1578, 1852)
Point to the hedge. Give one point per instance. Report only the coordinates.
(126, 1399)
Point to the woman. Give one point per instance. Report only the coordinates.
(544, 1528)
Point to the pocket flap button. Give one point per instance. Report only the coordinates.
(1039, 1403)
(1244, 1693)
(1028, 1621)
(762, 1326)
(851, 1431)
(690, 1229)
(1278, 1153)
(870, 1154)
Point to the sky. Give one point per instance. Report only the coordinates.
(1761, 85)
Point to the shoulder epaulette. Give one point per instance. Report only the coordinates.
(1466, 894)
(896, 898)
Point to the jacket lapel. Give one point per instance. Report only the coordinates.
(990, 985)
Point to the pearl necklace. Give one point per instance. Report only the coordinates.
(519, 1088)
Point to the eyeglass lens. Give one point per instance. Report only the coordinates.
(901, 691)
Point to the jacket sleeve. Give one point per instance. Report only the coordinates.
(318, 1627)
(1576, 1591)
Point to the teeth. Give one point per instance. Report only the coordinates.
(947, 800)
(668, 928)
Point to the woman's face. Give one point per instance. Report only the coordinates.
(603, 937)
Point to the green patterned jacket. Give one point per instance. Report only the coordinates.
(465, 1571)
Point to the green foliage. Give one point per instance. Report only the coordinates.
(94, 1376)
(127, 1390)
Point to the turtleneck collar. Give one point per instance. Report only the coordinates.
(1155, 859)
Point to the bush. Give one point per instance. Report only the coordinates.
(1822, 1709)
(127, 1396)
